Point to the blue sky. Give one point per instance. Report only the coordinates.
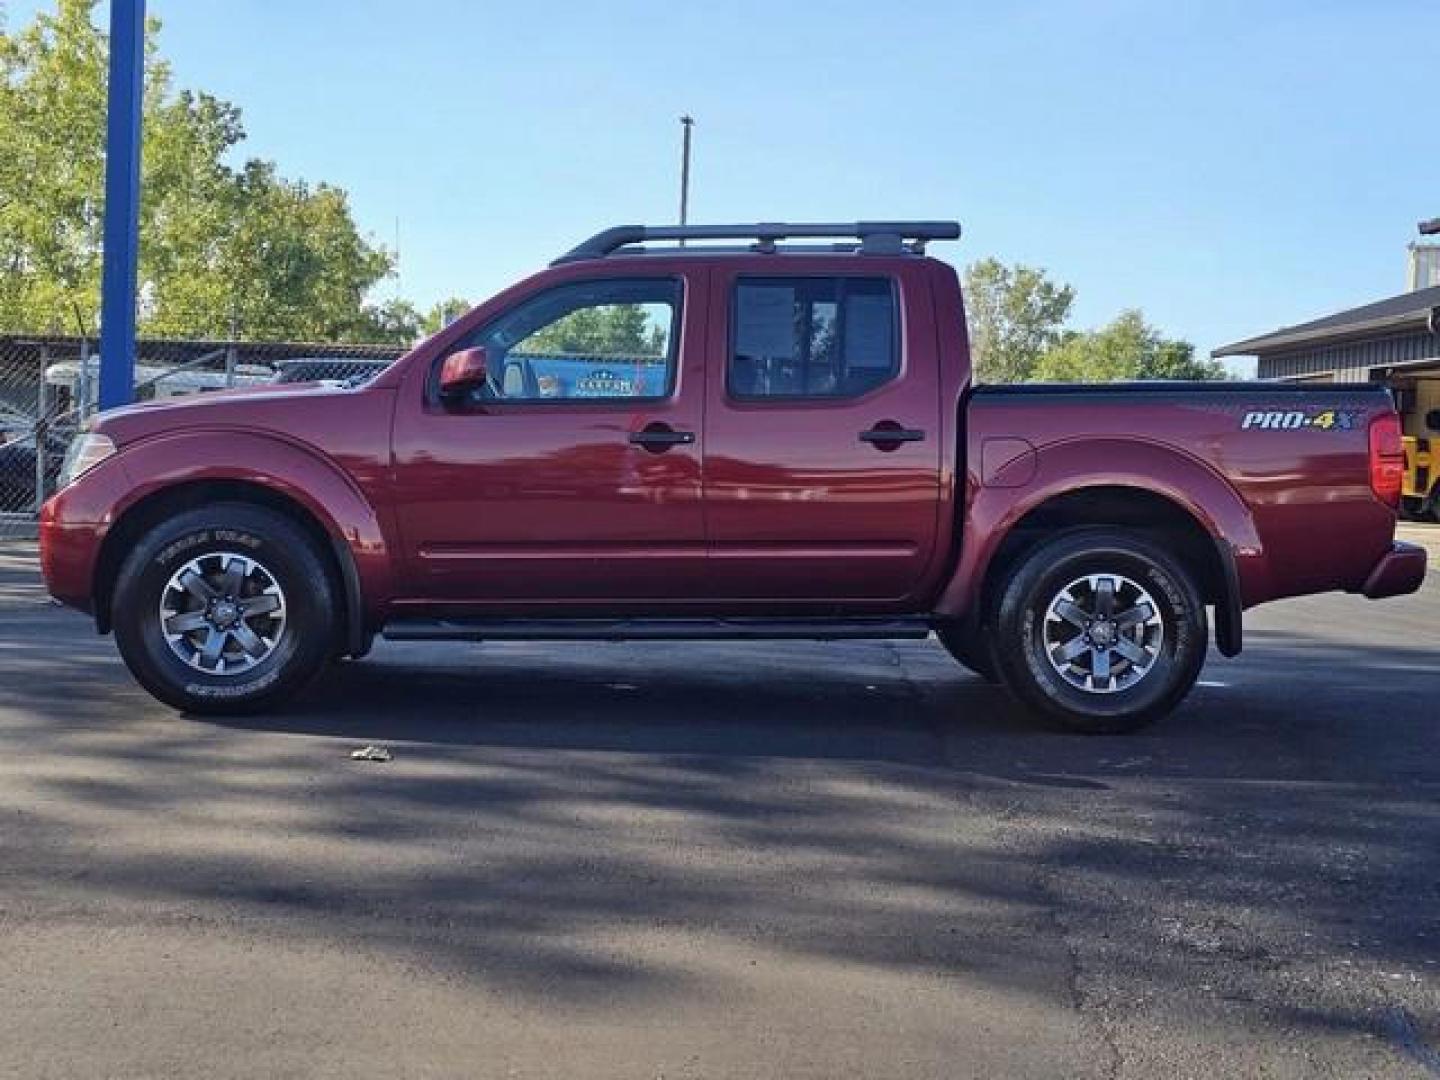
(1226, 167)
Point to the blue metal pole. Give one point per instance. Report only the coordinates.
(122, 203)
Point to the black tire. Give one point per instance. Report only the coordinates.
(302, 636)
(1168, 644)
(970, 650)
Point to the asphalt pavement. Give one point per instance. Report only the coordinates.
(777, 860)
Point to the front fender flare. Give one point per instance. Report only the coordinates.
(288, 468)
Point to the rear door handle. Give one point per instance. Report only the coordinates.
(660, 437)
(892, 435)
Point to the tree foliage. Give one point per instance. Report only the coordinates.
(605, 330)
(224, 248)
(443, 313)
(401, 321)
(1128, 348)
(1015, 314)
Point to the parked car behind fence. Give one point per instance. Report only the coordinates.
(21, 467)
(323, 369)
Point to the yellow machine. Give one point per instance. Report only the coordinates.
(1418, 398)
(1421, 491)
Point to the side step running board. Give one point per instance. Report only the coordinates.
(675, 629)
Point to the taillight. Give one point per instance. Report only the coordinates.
(1387, 458)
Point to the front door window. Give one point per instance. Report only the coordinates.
(591, 341)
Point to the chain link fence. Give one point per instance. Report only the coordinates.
(49, 386)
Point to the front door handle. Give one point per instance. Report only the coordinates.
(888, 435)
(657, 438)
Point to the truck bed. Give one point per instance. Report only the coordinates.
(1300, 513)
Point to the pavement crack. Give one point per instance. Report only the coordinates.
(1090, 1015)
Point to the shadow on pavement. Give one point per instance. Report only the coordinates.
(551, 811)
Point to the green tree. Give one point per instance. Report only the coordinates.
(1128, 348)
(52, 101)
(397, 321)
(221, 247)
(1177, 360)
(1015, 314)
(288, 264)
(443, 313)
(604, 330)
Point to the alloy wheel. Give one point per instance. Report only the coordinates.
(1102, 633)
(222, 613)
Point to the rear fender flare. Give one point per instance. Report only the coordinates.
(1073, 465)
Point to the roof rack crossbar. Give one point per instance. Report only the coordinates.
(878, 237)
(843, 247)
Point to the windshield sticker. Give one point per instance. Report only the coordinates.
(1295, 419)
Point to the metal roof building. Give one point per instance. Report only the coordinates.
(1364, 344)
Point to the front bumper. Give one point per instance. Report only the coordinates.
(1400, 570)
(67, 558)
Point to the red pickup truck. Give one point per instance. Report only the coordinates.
(762, 440)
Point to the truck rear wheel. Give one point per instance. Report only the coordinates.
(224, 609)
(1100, 630)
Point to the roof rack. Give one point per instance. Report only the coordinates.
(875, 237)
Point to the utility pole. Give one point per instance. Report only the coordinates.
(122, 203)
(686, 123)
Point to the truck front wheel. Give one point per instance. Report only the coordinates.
(224, 609)
(1100, 630)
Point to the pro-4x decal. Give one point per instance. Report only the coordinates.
(1295, 419)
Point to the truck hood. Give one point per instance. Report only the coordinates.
(247, 406)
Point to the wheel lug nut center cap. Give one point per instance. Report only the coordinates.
(225, 613)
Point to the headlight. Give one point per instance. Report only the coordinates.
(86, 451)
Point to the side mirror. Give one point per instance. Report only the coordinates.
(463, 371)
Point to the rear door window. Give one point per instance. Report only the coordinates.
(812, 337)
